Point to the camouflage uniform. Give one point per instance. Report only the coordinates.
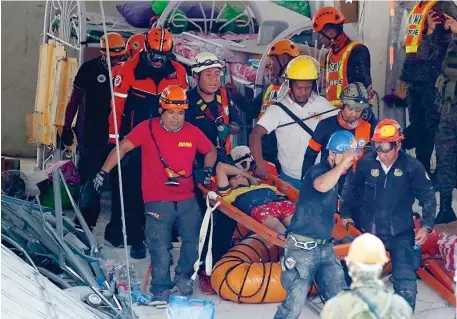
(367, 299)
(446, 137)
(420, 71)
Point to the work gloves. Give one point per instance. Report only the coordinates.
(99, 180)
(208, 172)
(67, 136)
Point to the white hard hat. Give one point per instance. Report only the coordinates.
(204, 61)
(242, 157)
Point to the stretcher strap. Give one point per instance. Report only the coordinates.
(207, 219)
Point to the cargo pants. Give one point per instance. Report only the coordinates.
(405, 262)
(300, 268)
(446, 150)
(160, 217)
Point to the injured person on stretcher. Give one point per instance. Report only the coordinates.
(262, 202)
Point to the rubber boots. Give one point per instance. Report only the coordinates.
(446, 214)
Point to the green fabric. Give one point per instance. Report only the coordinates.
(230, 12)
(47, 196)
(159, 6)
(301, 7)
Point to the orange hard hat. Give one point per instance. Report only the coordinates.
(327, 15)
(367, 249)
(135, 43)
(387, 131)
(174, 97)
(284, 46)
(113, 43)
(159, 39)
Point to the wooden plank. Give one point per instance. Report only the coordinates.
(34, 127)
(67, 70)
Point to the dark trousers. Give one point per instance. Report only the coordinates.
(160, 217)
(424, 117)
(446, 150)
(90, 162)
(133, 201)
(318, 264)
(405, 262)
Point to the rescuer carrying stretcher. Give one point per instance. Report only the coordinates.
(354, 100)
(169, 146)
(309, 255)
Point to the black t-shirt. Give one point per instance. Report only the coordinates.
(197, 117)
(93, 113)
(313, 215)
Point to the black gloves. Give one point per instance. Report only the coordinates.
(208, 172)
(99, 180)
(67, 136)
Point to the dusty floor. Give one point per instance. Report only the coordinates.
(429, 304)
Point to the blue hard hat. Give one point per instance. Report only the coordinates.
(342, 141)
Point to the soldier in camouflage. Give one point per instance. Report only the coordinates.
(446, 137)
(420, 71)
(368, 297)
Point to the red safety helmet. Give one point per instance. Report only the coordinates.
(135, 43)
(327, 15)
(159, 40)
(174, 97)
(387, 131)
(284, 46)
(112, 43)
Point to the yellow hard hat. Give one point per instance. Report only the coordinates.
(367, 249)
(302, 68)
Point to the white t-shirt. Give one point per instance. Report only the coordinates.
(293, 139)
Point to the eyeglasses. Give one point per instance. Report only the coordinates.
(384, 147)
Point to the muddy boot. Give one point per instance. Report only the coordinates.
(446, 214)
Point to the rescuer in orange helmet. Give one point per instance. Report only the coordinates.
(168, 145)
(347, 61)
(389, 180)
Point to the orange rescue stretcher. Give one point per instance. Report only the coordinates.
(250, 272)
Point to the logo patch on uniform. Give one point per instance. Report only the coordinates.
(172, 76)
(398, 172)
(361, 143)
(117, 80)
(375, 172)
(290, 262)
(101, 78)
(353, 143)
(185, 144)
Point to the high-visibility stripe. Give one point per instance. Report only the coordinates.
(416, 24)
(113, 135)
(314, 145)
(121, 95)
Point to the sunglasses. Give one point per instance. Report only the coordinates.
(384, 147)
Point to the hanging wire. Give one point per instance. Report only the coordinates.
(116, 131)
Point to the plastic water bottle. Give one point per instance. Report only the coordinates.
(182, 308)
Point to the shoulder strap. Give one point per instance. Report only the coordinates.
(373, 309)
(295, 118)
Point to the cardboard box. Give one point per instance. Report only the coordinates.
(350, 10)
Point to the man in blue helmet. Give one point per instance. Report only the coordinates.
(309, 255)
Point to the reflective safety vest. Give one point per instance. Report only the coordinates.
(269, 97)
(223, 109)
(416, 24)
(336, 73)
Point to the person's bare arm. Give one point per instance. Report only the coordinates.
(255, 144)
(327, 181)
(124, 147)
(210, 158)
(223, 171)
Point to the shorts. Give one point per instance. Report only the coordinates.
(280, 210)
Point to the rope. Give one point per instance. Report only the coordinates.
(208, 221)
(124, 232)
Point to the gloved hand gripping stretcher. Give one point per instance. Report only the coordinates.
(250, 271)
